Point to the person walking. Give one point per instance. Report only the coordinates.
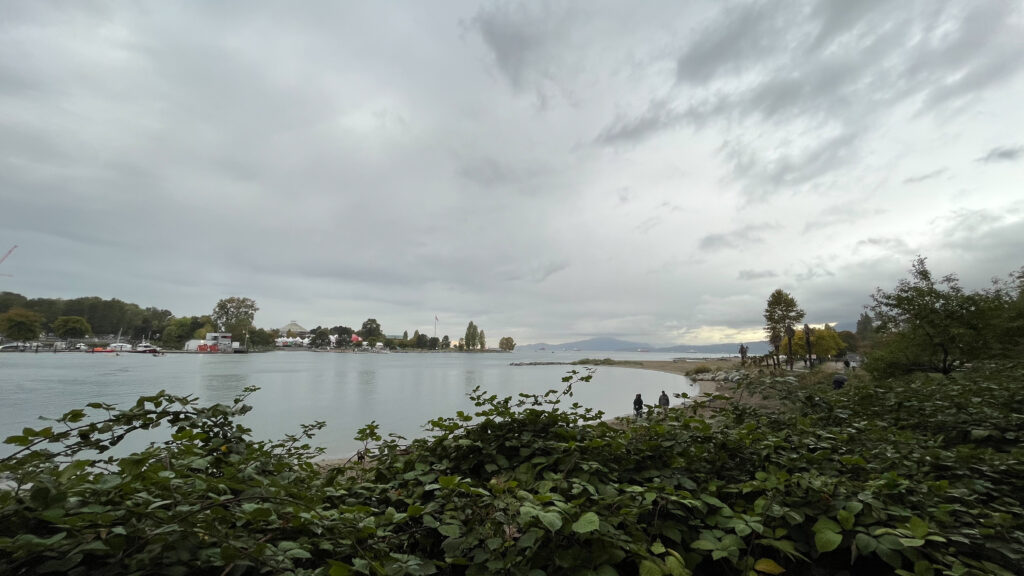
(638, 406)
(663, 400)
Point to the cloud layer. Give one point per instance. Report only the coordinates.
(550, 172)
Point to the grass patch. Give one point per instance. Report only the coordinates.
(699, 369)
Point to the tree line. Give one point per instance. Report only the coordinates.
(24, 319)
(924, 324)
(372, 333)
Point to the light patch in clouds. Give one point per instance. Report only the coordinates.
(1003, 154)
(721, 335)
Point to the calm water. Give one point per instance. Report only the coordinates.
(399, 391)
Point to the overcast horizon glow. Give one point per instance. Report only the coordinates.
(551, 172)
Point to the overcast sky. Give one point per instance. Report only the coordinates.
(551, 171)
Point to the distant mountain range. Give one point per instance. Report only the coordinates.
(596, 344)
(606, 344)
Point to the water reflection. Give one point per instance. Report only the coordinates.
(400, 391)
(221, 388)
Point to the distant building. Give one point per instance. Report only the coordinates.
(214, 342)
(295, 329)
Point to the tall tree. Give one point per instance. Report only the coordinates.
(235, 315)
(321, 338)
(343, 331)
(471, 334)
(481, 339)
(10, 300)
(371, 330)
(850, 341)
(780, 315)
(422, 341)
(929, 325)
(825, 341)
(21, 324)
(446, 342)
(177, 333)
(260, 339)
(810, 349)
(865, 328)
(66, 327)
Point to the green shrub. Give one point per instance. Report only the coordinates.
(918, 475)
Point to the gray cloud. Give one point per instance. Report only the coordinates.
(517, 37)
(1003, 154)
(965, 226)
(756, 274)
(844, 218)
(740, 238)
(545, 170)
(658, 116)
(888, 244)
(648, 224)
(738, 39)
(812, 273)
(817, 89)
(923, 177)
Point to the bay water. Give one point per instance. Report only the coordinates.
(401, 392)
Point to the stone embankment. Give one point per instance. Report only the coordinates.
(719, 376)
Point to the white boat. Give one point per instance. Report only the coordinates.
(146, 348)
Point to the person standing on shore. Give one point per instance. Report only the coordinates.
(638, 405)
(663, 400)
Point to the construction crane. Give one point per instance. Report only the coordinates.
(4, 257)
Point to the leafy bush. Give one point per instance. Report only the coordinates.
(934, 325)
(910, 476)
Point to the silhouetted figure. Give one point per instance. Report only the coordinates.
(663, 400)
(638, 406)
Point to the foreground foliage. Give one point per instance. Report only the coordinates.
(915, 476)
